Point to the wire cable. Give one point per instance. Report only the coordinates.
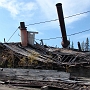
(42, 22)
(57, 19)
(79, 32)
(51, 21)
(78, 14)
(67, 35)
(12, 35)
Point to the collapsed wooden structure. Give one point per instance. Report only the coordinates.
(53, 56)
(47, 58)
(50, 79)
(58, 58)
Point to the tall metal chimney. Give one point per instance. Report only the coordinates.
(24, 37)
(65, 43)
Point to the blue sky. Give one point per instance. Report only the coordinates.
(12, 12)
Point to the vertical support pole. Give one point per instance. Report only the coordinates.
(79, 46)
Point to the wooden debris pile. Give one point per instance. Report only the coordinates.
(35, 78)
(44, 57)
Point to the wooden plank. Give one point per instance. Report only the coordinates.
(33, 74)
(74, 59)
(62, 58)
(66, 58)
(71, 59)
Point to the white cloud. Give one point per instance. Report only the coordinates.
(70, 7)
(10, 6)
(45, 9)
(17, 8)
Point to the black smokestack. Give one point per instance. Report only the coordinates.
(65, 42)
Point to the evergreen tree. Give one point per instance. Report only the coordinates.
(83, 46)
(72, 46)
(87, 45)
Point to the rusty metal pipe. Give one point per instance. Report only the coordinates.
(22, 26)
(23, 30)
(65, 42)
